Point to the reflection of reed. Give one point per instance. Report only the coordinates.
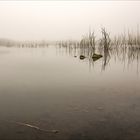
(125, 54)
(106, 59)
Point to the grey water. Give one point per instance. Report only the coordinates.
(53, 89)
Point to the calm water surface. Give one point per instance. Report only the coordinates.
(84, 100)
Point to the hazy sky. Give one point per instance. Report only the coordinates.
(53, 20)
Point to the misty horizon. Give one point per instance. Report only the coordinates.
(62, 20)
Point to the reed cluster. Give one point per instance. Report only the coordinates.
(127, 39)
(88, 41)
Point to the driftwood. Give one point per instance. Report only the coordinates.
(33, 127)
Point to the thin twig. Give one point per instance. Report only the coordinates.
(34, 127)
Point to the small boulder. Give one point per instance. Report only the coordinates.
(82, 57)
(96, 56)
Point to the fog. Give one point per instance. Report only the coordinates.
(55, 20)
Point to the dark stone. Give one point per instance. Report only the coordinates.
(96, 56)
(82, 57)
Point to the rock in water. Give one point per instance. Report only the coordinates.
(96, 56)
(82, 57)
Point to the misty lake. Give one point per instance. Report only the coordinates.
(51, 88)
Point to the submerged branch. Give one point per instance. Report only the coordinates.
(33, 127)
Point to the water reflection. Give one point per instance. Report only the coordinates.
(126, 55)
(53, 89)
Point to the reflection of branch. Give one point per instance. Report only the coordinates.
(106, 58)
(34, 127)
